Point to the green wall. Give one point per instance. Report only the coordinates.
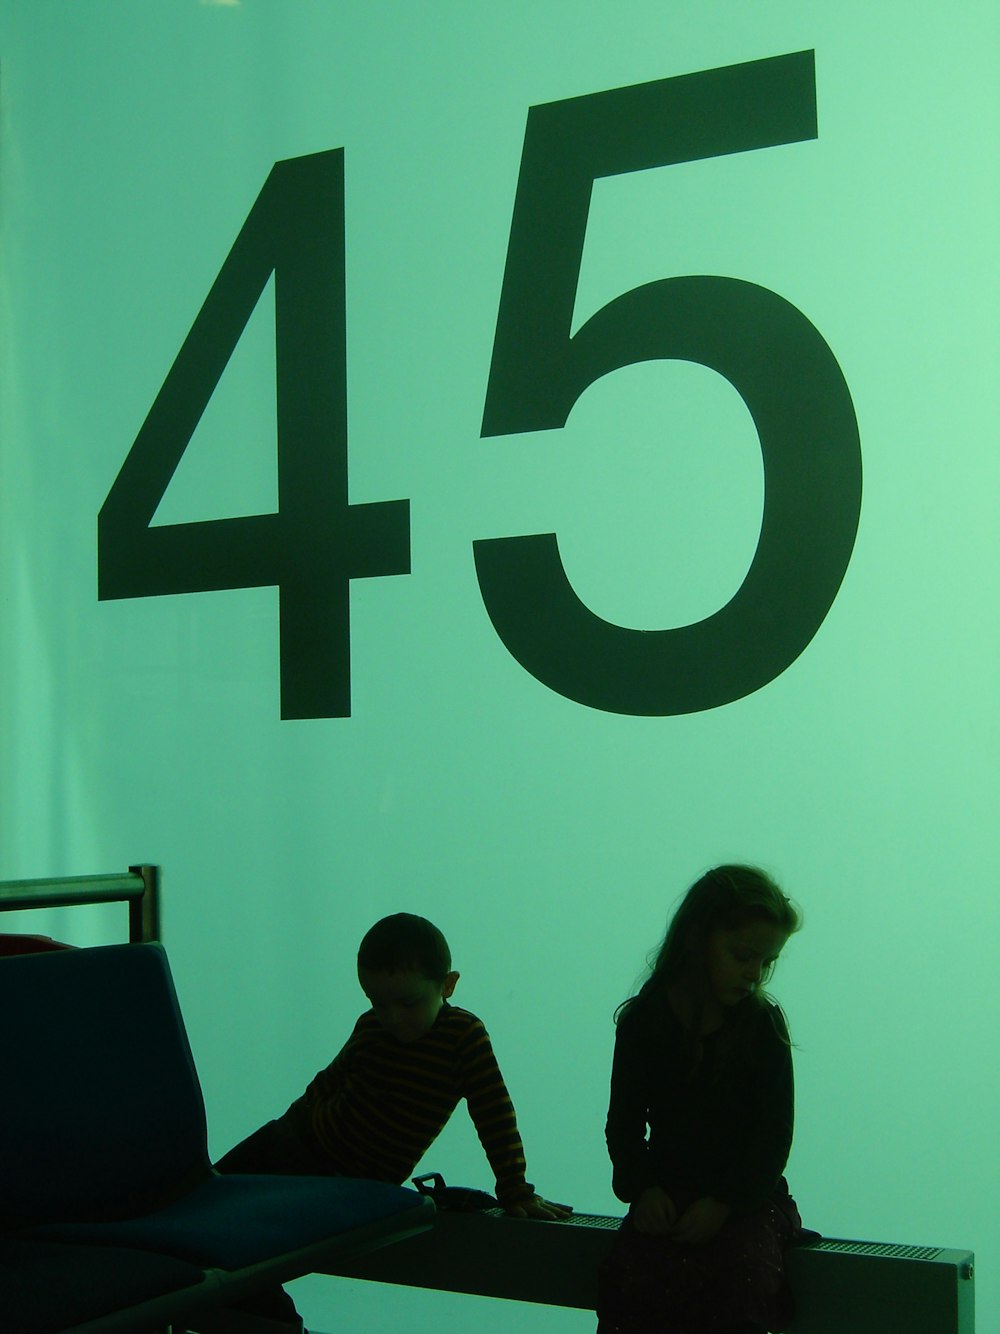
(547, 836)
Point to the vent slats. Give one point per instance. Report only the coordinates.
(891, 1250)
(879, 1248)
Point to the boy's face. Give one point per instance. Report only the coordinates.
(405, 1003)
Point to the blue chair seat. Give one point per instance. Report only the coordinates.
(233, 1222)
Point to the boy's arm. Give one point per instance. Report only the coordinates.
(492, 1113)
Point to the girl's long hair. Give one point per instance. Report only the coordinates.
(725, 898)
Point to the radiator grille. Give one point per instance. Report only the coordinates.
(595, 1220)
(599, 1221)
(878, 1248)
(602, 1222)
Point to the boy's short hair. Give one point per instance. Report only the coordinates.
(405, 941)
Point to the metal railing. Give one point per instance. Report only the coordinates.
(139, 887)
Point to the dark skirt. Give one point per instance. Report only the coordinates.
(653, 1285)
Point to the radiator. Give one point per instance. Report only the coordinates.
(875, 1287)
(841, 1287)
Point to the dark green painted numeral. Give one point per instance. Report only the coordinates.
(767, 349)
(316, 542)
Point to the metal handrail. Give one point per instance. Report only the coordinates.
(139, 887)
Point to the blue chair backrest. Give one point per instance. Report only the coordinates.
(101, 1112)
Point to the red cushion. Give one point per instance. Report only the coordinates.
(30, 944)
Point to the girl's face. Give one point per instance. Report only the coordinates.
(737, 959)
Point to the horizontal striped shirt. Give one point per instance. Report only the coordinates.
(380, 1104)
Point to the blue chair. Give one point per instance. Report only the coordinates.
(104, 1113)
(55, 1285)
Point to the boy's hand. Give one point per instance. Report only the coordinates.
(536, 1207)
(700, 1221)
(654, 1212)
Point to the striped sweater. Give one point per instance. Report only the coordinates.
(380, 1104)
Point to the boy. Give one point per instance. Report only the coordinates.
(377, 1108)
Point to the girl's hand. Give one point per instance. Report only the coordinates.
(536, 1207)
(700, 1221)
(654, 1212)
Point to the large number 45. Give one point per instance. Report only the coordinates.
(317, 541)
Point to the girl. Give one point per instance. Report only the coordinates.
(703, 1058)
